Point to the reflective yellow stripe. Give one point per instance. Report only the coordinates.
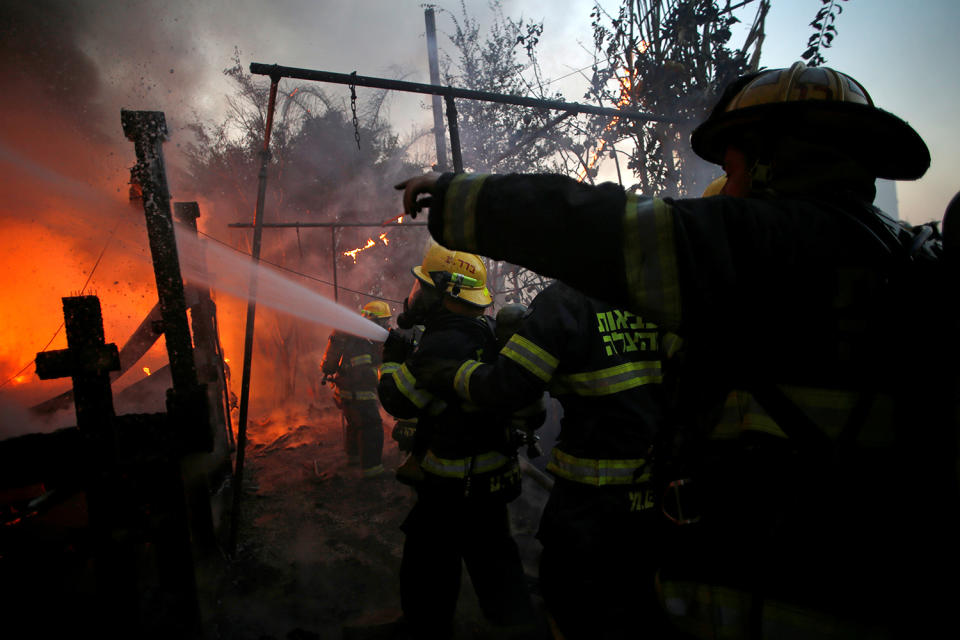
(344, 394)
(596, 472)
(460, 211)
(649, 253)
(460, 467)
(373, 471)
(388, 367)
(828, 409)
(358, 360)
(742, 413)
(407, 385)
(461, 382)
(609, 381)
(531, 357)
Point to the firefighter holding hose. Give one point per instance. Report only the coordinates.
(352, 364)
(467, 458)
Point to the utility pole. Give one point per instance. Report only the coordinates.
(433, 60)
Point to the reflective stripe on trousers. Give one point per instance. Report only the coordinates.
(460, 467)
(357, 395)
(597, 472)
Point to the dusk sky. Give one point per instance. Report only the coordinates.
(169, 56)
(904, 53)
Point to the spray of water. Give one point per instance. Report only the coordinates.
(230, 272)
(204, 263)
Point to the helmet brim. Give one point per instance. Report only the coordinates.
(884, 144)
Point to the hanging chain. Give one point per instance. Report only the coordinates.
(353, 108)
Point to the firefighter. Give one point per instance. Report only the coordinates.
(845, 522)
(598, 529)
(468, 460)
(353, 364)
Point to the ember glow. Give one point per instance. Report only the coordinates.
(626, 92)
(146, 370)
(370, 243)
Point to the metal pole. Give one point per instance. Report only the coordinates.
(454, 134)
(275, 225)
(272, 70)
(333, 250)
(433, 60)
(251, 318)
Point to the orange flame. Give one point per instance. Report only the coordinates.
(370, 243)
(625, 95)
(146, 370)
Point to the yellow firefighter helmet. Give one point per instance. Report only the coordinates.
(815, 104)
(464, 274)
(715, 188)
(376, 309)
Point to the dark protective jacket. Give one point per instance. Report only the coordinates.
(355, 361)
(853, 519)
(469, 452)
(604, 366)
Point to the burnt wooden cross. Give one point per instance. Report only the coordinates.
(88, 361)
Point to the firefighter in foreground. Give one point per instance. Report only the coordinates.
(353, 364)
(469, 465)
(793, 286)
(599, 525)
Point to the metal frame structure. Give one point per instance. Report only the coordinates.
(449, 94)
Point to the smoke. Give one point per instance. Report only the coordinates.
(230, 272)
(71, 66)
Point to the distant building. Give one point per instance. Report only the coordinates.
(886, 199)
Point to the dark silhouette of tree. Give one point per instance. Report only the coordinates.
(669, 57)
(824, 32)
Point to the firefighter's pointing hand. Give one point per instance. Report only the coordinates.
(413, 188)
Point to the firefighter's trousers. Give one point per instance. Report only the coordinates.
(441, 533)
(364, 432)
(599, 560)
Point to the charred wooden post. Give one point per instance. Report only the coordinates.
(207, 348)
(216, 466)
(187, 405)
(88, 360)
(187, 400)
(128, 471)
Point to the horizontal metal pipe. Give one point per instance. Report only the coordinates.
(276, 71)
(304, 225)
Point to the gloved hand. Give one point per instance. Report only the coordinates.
(435, 374)
(397, 347)
(425, 185)
(413, 188)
